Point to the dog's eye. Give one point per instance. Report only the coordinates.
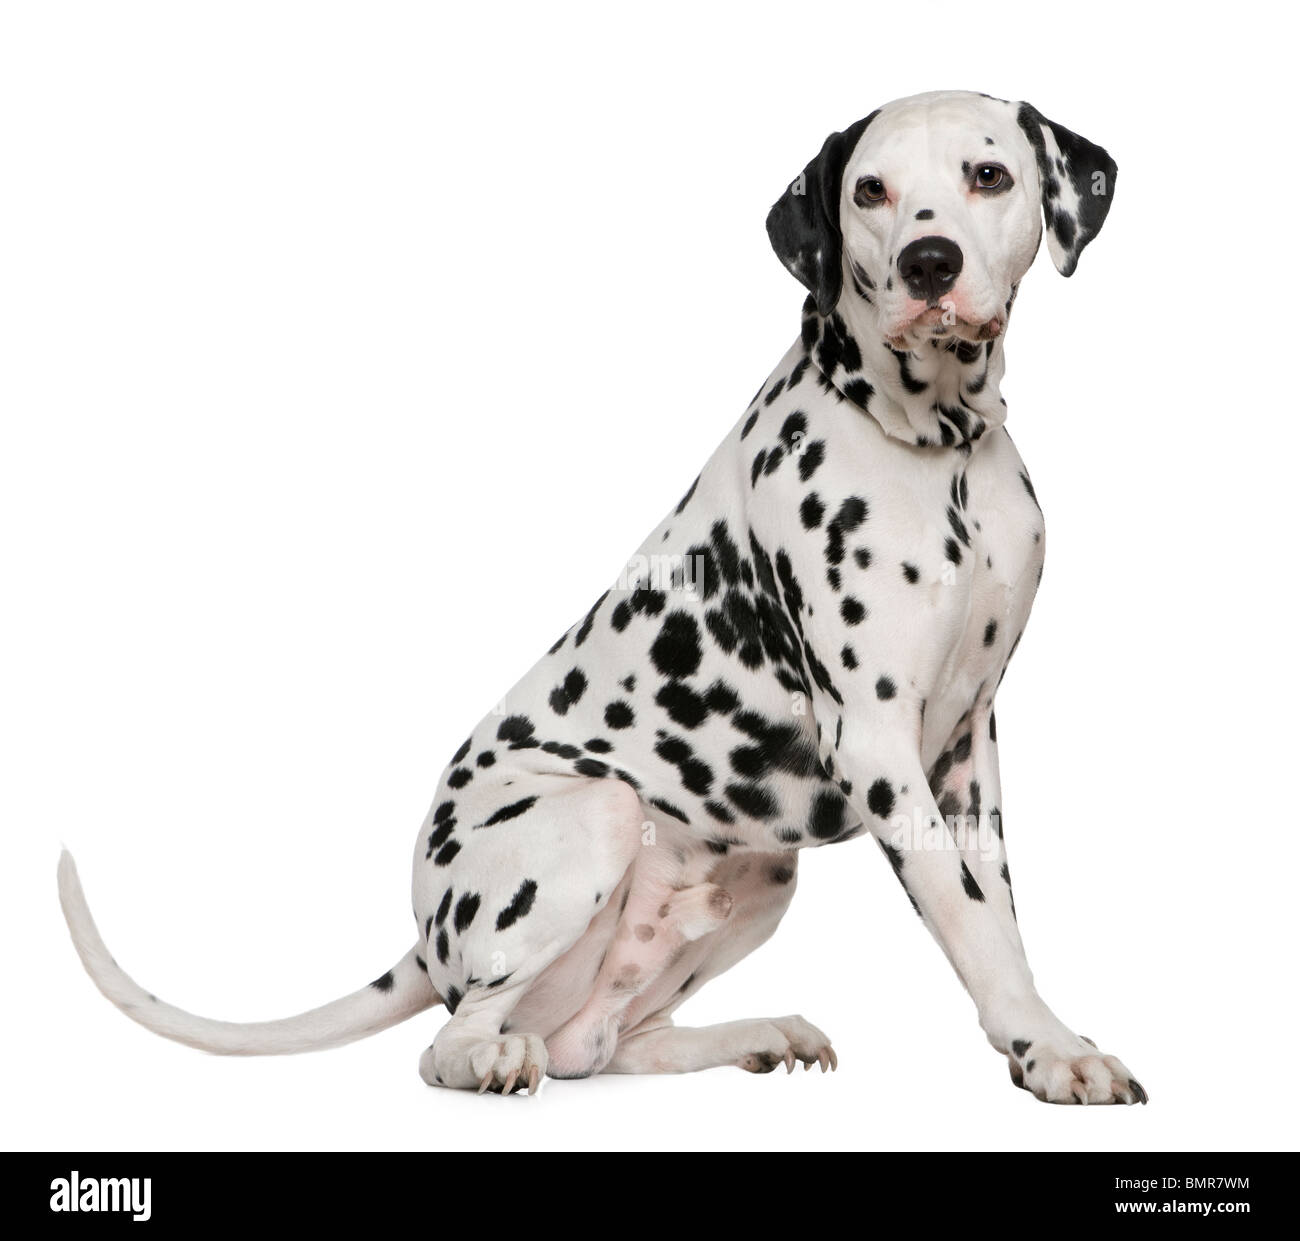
(870, 190)
(990, 176)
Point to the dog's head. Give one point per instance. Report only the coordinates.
(930, 210)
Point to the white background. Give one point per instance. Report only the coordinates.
(347, 353)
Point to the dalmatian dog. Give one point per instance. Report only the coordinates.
(805, 650)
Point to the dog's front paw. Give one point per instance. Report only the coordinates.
(1071, 1070)
(786, 1040)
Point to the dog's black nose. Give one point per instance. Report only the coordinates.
(930, 266)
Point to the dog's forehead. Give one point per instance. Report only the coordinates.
(937, 126)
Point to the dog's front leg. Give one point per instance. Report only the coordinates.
(966, 784)
(889, 790)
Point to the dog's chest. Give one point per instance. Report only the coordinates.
(994, 561)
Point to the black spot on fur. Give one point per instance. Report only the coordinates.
(683, 704)
(885, 689)
(773, 746)
(438, 837)
(810, 459)
(681, 504)
(676, 651)
(512, 811)
(827, 818)
(755, 800)
(619, 715)
(521, 903)
(697, 776)
(673, 812)
(972, 888)
(880, 799)
(590, 618)
(569, 692)
(811, 511)
(560, 749)
(721, 698)
(853, 512)
(1029, 487)
(466, 908)
(518, 731)
(859, 391)
(794, 427)
(384, 982)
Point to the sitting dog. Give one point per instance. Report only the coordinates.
(806, 649)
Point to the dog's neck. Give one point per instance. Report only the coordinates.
(943, 393)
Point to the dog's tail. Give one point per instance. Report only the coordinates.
(401, 993)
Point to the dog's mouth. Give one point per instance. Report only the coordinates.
(938, 322)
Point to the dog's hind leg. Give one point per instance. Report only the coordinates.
(762, 887)
(537, 861)
(757, 1046)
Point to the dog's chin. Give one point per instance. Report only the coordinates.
(936, 323)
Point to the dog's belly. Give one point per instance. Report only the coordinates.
(759, 887)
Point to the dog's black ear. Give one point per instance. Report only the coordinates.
(1078, 180)
(804, 223)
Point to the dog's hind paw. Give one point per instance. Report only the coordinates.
(509, 1064)
(788, 1040)
(499, 1066)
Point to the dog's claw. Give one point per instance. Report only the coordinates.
(534, 1078)
(486, 1082)
(1080, 1093)
(835, 1064)
(789, 1061)
(824, 1059)
(510, 1082)
(1136, 1087)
